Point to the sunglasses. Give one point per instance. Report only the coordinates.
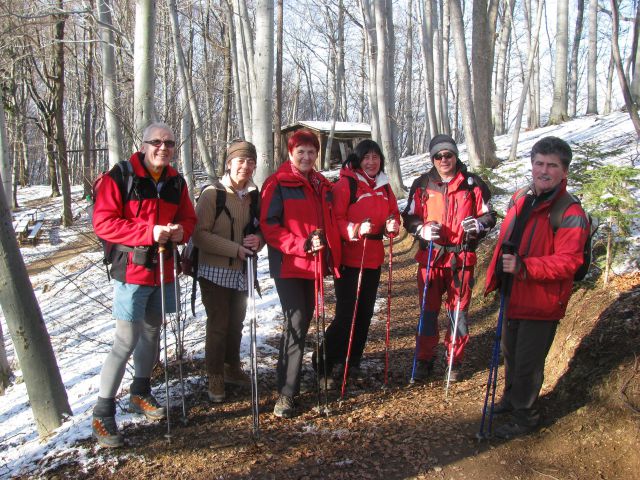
(157, 142)
(447, 155)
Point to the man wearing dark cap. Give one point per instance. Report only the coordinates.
(226, 233)
(449, 210)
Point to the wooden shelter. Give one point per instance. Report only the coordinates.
(346, 137)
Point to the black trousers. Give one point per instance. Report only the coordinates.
(298, 304)
(525, 345)
(337, 334)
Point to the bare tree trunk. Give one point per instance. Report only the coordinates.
(110, 94)
(5, 368)
(385, 94)
(464, 83)
(369, 32)
(609, 88)
(445, 126)
(277, 124)
(408, 109)
(632, 107)
(426, 36)
(635, 59)
(239, 94)
(525, 87)
(143, 62)
(592, 69)
(185, 81)
(58, 99)
(484, 14)
(87, 131)
(45, 389)
(262, 101)
(337, 85)
(51, 164)
(227, 95)
(499, 100)
(573, 65)
(244, 66)
(559, 107)
(5, 155)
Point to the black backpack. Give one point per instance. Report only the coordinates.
(122, 174)
(555, 217)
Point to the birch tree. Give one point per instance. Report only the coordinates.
(560, 99)
(143, 63)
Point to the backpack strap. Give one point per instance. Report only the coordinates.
(559, 207)
(353, 188)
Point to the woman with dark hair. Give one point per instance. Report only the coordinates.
(365, 209)
(297, 222)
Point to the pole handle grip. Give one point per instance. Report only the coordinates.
(508, 247)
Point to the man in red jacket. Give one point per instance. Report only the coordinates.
(448, 208)
(139, 205)
(541, 276)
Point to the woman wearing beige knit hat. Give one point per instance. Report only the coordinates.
(226, 233)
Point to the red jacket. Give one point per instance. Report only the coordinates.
(293, 207)
(541, 290)
(376, 203)
(432, 200)
(132, 224)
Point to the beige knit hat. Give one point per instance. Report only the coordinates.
(240, 148)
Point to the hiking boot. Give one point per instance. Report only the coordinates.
(356, 373)
(424, 369)
(456, 372)
(512, 430)
(105, 431)
(284, 407)
(502, 407)
(216, 388)
(148, 406)
(234, 375)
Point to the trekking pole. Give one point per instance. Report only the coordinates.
(353, 321)
(453, 336)
(253, 349)
(505, 290)
(422, 307)
(161, 250)
(316, 289)
(179, 333)
(389, 283)
(324, 339)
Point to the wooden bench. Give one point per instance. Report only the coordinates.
(34, 232)
(22, 227)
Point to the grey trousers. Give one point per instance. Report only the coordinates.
(298, 304)
(525, 345)
(141, 339)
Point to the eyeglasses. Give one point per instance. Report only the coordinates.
(156, 142)
(440, 156)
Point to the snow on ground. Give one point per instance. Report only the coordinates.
(75, 299)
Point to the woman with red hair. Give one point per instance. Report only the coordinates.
(297, 222)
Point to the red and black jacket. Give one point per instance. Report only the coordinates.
(130, 221)
(542, 287)
(376, 203)
(293, 206)
(448, 203)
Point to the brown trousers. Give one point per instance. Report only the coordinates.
(226, 309)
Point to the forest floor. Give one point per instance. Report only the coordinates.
(590, 404)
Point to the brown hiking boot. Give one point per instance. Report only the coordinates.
(148, 406)
(234, 375)
(105, 431)
(216, 388)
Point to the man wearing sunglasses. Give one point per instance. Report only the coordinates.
(449, 211)
(140, 204)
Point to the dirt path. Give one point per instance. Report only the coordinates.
(590, 430)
